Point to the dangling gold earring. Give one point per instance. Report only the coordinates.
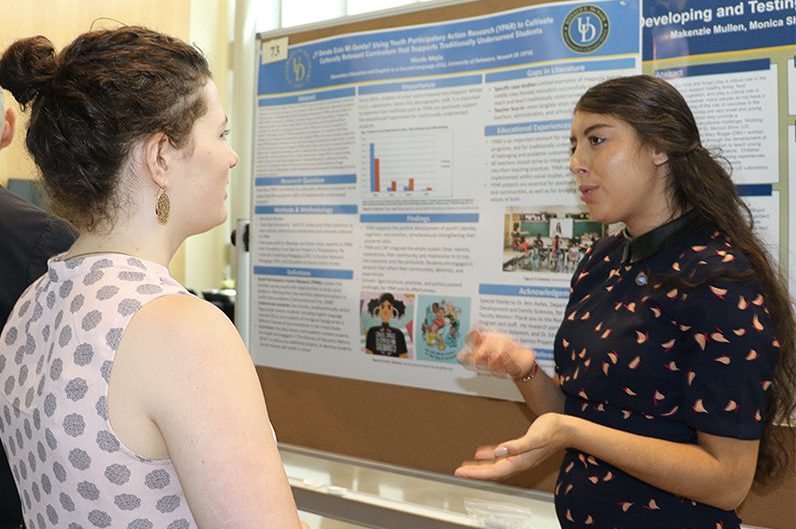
(162, 207)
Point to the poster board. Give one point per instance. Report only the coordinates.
(419, 426)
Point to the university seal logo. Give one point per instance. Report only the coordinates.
(298, 68)
(585, 29)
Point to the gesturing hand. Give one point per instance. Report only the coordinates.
(496, 353)
(544, 437)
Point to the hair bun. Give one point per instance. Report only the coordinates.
(27, 66)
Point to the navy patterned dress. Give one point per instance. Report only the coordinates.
(656, 359)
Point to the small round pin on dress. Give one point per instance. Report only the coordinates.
(642, 279)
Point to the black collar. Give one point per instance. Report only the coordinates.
(644, 246)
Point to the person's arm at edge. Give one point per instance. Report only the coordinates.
(205, 397)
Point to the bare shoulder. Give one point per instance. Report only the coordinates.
(177, 325)
(182, 343)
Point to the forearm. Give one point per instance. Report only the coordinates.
(688, 470)
(542, 394)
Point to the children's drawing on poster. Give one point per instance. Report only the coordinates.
(444, 328)
(547, 240)
(387, 324)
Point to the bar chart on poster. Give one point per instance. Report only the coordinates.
(408, 163)
(425, 165)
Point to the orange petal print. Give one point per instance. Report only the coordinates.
(598, 327)
(758, 300)
(670, 412)
(626, 414)
(723, 359)
(659, 396)
(630, 391)
(609, 288)
(613, 357)
(582, 394)
(718, 292)
(585, 316)
(565, 342)
(581, 276)
(582, 353)
(731, 406)
(758, 417)
(617, 305)
(691, 377)
(653, 506)
(569, 488)
(739, 332)
(587, 362)
(775, 343)
(719, 525)
(631, 307)
(701, 340)
(684, 328)
(593, 461)
(594, 479)
(625, 505)
(641, 337)
(608, 476)
(668, 345)
(698, 407)
(719, 337)
(698, 249)
(676, 266)
(575, 375)
(572, 355)
(605, 367)
(656, 311)
(634, 363)
(589, 520)
(752, 355)
(742, 304)
(765, 385)
(569, 516)
(569, 467)
(606, 334)
(672, 293)
(756, 324)
(571, 317)
(672, 366)
(728, 258)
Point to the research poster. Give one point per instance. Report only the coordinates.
(733, 63)
(411, 184)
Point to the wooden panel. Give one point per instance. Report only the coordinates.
(435, 431)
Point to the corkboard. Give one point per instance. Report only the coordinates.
(431, 430)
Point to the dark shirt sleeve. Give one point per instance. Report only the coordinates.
(56, 237)
(731, 353)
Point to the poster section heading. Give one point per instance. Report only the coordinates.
(510, 39)
(708, 26)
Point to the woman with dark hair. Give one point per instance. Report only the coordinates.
(675, 358)
(126, 402)
(383, 339)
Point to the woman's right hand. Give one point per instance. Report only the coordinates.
(497, 354)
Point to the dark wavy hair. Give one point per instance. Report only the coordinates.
(398, 307)
(93, 101)
(698, 180)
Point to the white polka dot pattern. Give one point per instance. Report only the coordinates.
(56, 357)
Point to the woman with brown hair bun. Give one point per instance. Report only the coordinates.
(125, 402)
(675, 358)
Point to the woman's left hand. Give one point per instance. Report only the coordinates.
(544, 437)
